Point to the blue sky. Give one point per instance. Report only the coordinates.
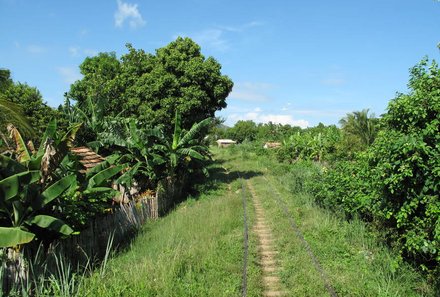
(296, 62)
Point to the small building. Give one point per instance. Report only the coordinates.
(270, 145)
(225, 142)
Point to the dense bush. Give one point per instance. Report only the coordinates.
(396, 181)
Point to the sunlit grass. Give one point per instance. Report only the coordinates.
(197, 250)
(352, 255)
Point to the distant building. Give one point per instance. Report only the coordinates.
(269, 145)
(225, 142)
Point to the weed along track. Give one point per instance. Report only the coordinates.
(267, 250)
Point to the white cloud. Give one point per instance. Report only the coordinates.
(69, 74)
(250, 91)
(35, 49)
(212, 38)
(130, 13)
(90, 52)
(259, 117)
(284, 119)
(76, 51)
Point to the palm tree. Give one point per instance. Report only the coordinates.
(12, 113)
(360, 125)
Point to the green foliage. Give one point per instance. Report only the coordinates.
(185, 153)
(310, 144)
(361, 127)
(152, 88)
(22, 200)
(91, 195)
(243, 131)
(396, 181)
(134, 146)
(11, 113)
(28, 102)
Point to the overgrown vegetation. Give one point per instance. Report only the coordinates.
(382, 170)
(146, 114)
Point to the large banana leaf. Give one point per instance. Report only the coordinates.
(153, 132)
(20, 146)
(192, 153)
(134, 132)
(53, 191)
(51, 223)
(177, 130)
(49, 133)
(35, 163)
(99, 190)
(127, 177)
(173, 160)
(102, 176)
(9, 166)
(70, 135)
(193, 131)
(11, 186)
(103, 165)
(13, 236)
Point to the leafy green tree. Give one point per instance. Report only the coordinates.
(153, 87)
(5, 79)
(243, 130)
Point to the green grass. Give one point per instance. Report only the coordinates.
(354, 259)
(196, 250)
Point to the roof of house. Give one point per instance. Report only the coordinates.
(87, 157)
(226, 141)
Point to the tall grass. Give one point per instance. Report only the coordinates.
(50, 274)
(352, 254)
(194, 251)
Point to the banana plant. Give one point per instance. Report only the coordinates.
(29, 184)
(22, 199)
(185, 149)
(135, 147)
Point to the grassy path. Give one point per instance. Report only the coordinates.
(197, 249)
(353, 260)
(267, 250)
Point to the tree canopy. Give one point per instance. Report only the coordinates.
(153, 87)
